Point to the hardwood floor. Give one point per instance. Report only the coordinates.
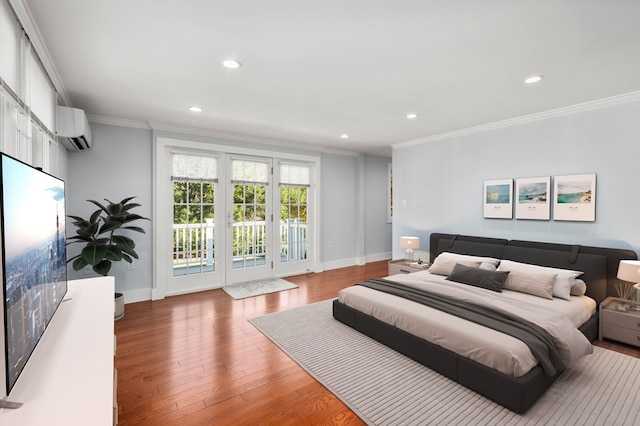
(196, 360)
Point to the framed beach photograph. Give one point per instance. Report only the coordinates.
(498, 201)
(574, 197)
(533, 198)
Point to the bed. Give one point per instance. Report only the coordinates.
(496, 365)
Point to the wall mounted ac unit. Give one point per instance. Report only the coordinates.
(73, 129)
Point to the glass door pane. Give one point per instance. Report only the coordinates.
(249, 225)
(193, 227)
(293, 223)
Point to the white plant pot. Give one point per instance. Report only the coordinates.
(119, 306)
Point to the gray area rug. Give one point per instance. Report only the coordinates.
(384, 387)
(257, 288)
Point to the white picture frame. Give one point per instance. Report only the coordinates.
(574, 197)
(533, 198)
(498, 199)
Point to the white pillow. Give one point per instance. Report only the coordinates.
(579, 288)
(564, 277)
(540, 285)
(488, 266)
(444, 263)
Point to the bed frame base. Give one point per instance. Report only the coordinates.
(515, 393)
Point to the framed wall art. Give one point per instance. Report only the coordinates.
(533, 198)
(498, 199)
(574, 197)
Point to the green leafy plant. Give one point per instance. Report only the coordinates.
(99, 233)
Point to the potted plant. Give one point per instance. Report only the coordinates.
(103, 241)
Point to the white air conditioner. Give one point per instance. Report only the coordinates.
(73, 129)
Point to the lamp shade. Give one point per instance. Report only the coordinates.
(629, 270)
(409, 242)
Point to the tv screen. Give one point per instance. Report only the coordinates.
(34, 267)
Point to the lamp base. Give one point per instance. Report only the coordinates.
(409, 256)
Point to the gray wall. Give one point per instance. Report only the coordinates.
(442, 181)
(337, 209)
(120, 165)
(354, 201)
(377, 231)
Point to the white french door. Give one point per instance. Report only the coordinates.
(294, 216)
(197, 236)
(224, 218)
(249, 227)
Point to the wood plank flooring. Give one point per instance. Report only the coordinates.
(196, 360)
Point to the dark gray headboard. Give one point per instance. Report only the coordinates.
(600, 265)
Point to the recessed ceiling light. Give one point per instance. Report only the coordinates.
(231, 64)
(195, 109)
(344, 136)
(533, 79)
(412, 115)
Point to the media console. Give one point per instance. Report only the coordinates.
(69, 379)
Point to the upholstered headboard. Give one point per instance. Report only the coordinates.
(600, 265)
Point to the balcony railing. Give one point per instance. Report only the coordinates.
(193, 244)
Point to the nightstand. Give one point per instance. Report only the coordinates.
(619, 321)
(401, 266)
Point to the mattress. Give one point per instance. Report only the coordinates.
(486, 346)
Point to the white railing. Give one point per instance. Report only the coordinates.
(193, 243)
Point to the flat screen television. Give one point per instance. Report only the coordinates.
(34, 264)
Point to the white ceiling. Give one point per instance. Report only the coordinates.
(313, 70)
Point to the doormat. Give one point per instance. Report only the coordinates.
(257, 288)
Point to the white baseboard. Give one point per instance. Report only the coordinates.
(378, 257)
(355, 261)
(142, 295)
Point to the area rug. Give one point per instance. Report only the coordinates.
(257, 288)
(384, 387)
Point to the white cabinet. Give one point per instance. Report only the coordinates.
(69, 379)
(401, 266)
(620, 320)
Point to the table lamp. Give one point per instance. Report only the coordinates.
(409, 244)
(629, 270)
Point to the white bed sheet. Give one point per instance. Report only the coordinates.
(486, 346)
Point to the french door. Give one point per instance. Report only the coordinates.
(249, 224)
(197, 237)
(233, 218)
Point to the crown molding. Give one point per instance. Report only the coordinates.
(554, 113)
(115, 121)
(170, 128)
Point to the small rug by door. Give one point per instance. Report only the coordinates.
(257, 288)
(383, 387)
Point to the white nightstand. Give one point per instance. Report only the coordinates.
(619, 321)
(401, 266)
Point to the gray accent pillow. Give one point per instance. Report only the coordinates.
(578, 288)
(540, 285)
(490, 280)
